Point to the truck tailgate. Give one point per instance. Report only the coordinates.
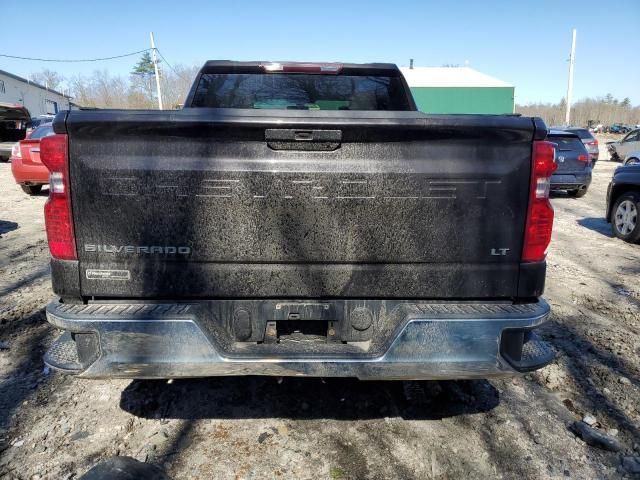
(234, 203)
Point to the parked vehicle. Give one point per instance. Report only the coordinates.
(620, 149)
(618, 128)
(298, 219)
(37, 121)
(574, 164)
(623, 203)
(632, 158)
(27, 168)
(590, 142)
(13, 120)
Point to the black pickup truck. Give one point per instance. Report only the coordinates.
(297, 219)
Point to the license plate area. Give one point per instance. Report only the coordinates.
(289, 328)
(296, 330)
(302, 322)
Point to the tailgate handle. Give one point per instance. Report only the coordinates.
(303, 135)
(298, 139)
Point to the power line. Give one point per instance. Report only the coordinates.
(166, 61)
(170, 66)
(75, 60)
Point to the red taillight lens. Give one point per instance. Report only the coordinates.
(537, 234)
(583, 158)
(544, 159)
(57, 210)
(59, 228)
(538, 231)
(53, 152)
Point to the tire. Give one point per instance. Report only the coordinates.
(632, 161)
(577, 193)
(625, 217)
(4, 159)
(31, 189)
(614, 157)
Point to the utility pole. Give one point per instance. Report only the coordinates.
(572, 60)
(154, 56)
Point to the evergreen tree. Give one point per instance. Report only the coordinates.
(144, 65)
(143, 88)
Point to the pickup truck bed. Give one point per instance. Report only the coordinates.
(375, 244)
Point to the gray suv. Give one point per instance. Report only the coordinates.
(574, 163)
(590, 142)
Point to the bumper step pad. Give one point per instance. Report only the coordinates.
(536, 353)
(63, 355)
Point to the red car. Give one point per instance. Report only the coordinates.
(26, 166)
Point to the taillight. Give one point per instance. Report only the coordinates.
(537, 234)
(594, 142)
(15, 150)
(583, 158)
(327, 68)
(57, 210)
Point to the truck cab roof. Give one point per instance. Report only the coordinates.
(263, 65)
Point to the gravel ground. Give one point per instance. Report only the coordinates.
(55, 426)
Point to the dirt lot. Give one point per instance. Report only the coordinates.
(53, 426)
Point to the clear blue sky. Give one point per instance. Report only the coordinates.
(524, 43)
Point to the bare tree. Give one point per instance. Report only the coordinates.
(47, 78)
(82, 91)
(586, 112)
(100, 90)
(176, 84)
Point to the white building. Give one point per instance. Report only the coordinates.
(38, 99)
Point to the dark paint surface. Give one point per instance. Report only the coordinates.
(406, 206)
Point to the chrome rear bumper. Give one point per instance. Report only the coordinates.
(433, 341)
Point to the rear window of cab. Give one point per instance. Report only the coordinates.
(296, 91)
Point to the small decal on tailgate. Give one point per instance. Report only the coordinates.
(108, 274)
